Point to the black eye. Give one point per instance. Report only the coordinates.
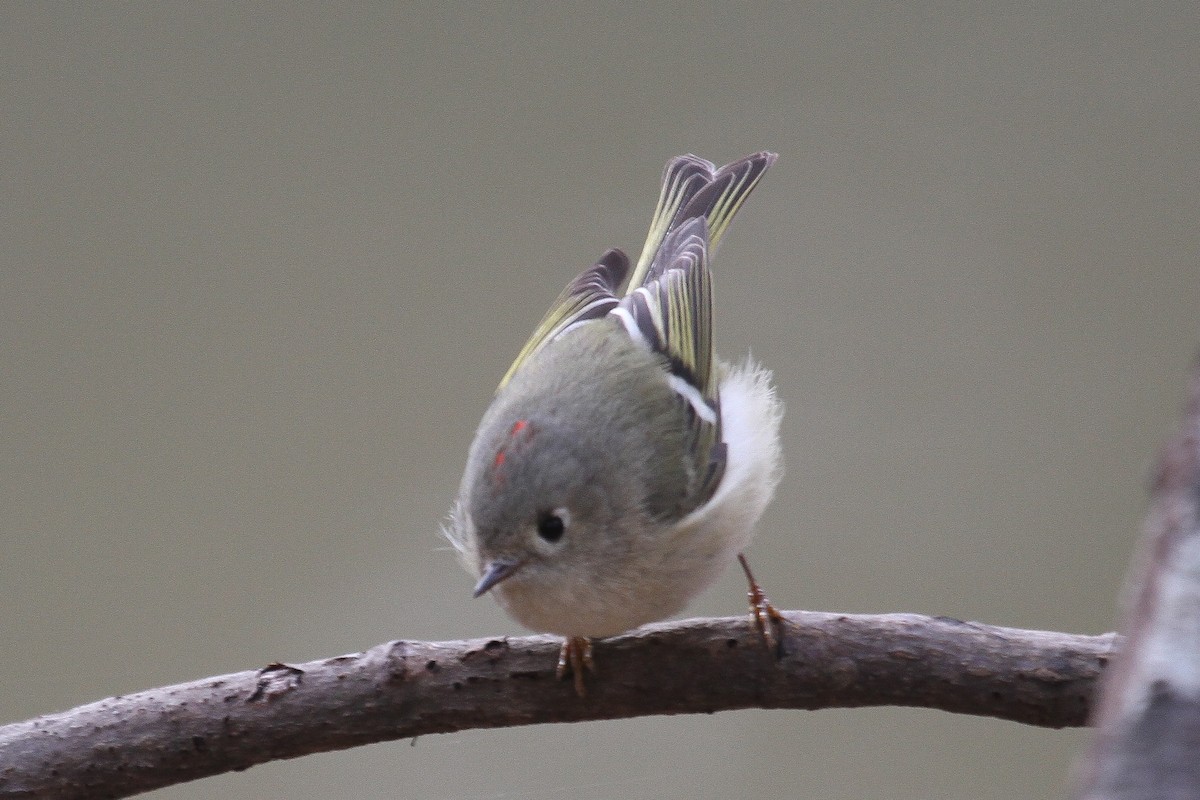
(551, 525)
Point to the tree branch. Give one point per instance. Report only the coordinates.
(125, 745)
(1148, 714)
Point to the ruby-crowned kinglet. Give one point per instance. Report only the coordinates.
(621, 467)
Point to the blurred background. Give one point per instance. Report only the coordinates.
(261, 271)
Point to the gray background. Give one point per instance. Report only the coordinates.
(262, 269)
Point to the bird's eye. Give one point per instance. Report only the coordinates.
(551, 525)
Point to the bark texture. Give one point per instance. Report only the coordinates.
(1148, 717)
(125, 745)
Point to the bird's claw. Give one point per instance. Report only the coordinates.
(766, 617)
(575, 658)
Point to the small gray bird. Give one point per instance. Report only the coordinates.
(621, 467)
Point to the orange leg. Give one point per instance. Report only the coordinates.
(767, 618)
(574, 658)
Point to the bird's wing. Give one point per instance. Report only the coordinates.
(672, 315)
(590, 296)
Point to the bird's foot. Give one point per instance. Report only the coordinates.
(574, 658)
(766, 617)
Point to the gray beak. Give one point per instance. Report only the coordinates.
(494, 572)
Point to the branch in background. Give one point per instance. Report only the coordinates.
(1148, 718)
(130, 744)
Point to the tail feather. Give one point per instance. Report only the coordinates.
(682, 178)
(692, 189)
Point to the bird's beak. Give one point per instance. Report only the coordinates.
(494, 572)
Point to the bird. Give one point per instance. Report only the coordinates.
(621, 466)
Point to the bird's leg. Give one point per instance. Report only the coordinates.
(766, 616)
(574, 658)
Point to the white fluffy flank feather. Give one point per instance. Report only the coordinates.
(750, 419)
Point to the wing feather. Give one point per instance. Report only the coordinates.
(590, 296)
(665, 301)
(673, 316)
